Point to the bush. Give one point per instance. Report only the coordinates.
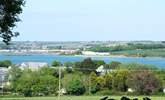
(76, 87)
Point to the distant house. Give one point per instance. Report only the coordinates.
(102, 71)
(33, 65)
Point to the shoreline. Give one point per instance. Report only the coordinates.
(92, 56)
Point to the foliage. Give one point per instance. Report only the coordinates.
(94, 87)
(98, 63)
(14, 73)
(75, 87)
(35, 86)
(101, 82)
(5, 63)
(108, 81)
(9, 11)
(136, 66)
(129, 46)
(119, 80)
(144, 82)
(114, 64)
(141, 78)
(69, 66)
(86, 66)
(56, 64)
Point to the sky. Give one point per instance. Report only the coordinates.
(92, 20)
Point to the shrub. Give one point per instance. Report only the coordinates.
(75, 87)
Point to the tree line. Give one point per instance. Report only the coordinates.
(129, 46)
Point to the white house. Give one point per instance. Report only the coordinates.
(102, 71)
(33, 65)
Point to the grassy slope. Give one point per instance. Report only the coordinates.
(78, 98)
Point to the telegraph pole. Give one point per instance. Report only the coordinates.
(2, 84)
(59, 84)
(89, 84)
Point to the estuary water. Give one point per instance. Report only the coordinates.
(17, 59)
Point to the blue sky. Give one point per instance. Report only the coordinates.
(86, 20)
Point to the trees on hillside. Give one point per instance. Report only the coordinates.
(9, 11)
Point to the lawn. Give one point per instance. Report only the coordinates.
(80, 98)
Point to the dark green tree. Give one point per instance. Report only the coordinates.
(86, 66)
(98, 63)
(56, 64)
(5, 63)
(9, 11)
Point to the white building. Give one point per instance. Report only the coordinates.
(102, 71)
(91, 53)
(33, 65)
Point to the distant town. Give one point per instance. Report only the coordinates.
(92, 48)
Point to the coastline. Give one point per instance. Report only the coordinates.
(85, 56)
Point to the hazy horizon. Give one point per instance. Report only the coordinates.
(92, 20)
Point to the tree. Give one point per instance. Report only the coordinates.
(144, 82)
(119, 80)
(35, 86)
(86, 66)
(94, 86)
(98, 63)
(14, 73)
(9, 11)
(108, 81)
(101, 82)
(69, 66)
(114, 64)
(5, 63)
(56, 64)
(76, 87)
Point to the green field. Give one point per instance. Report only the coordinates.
(80, 98)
